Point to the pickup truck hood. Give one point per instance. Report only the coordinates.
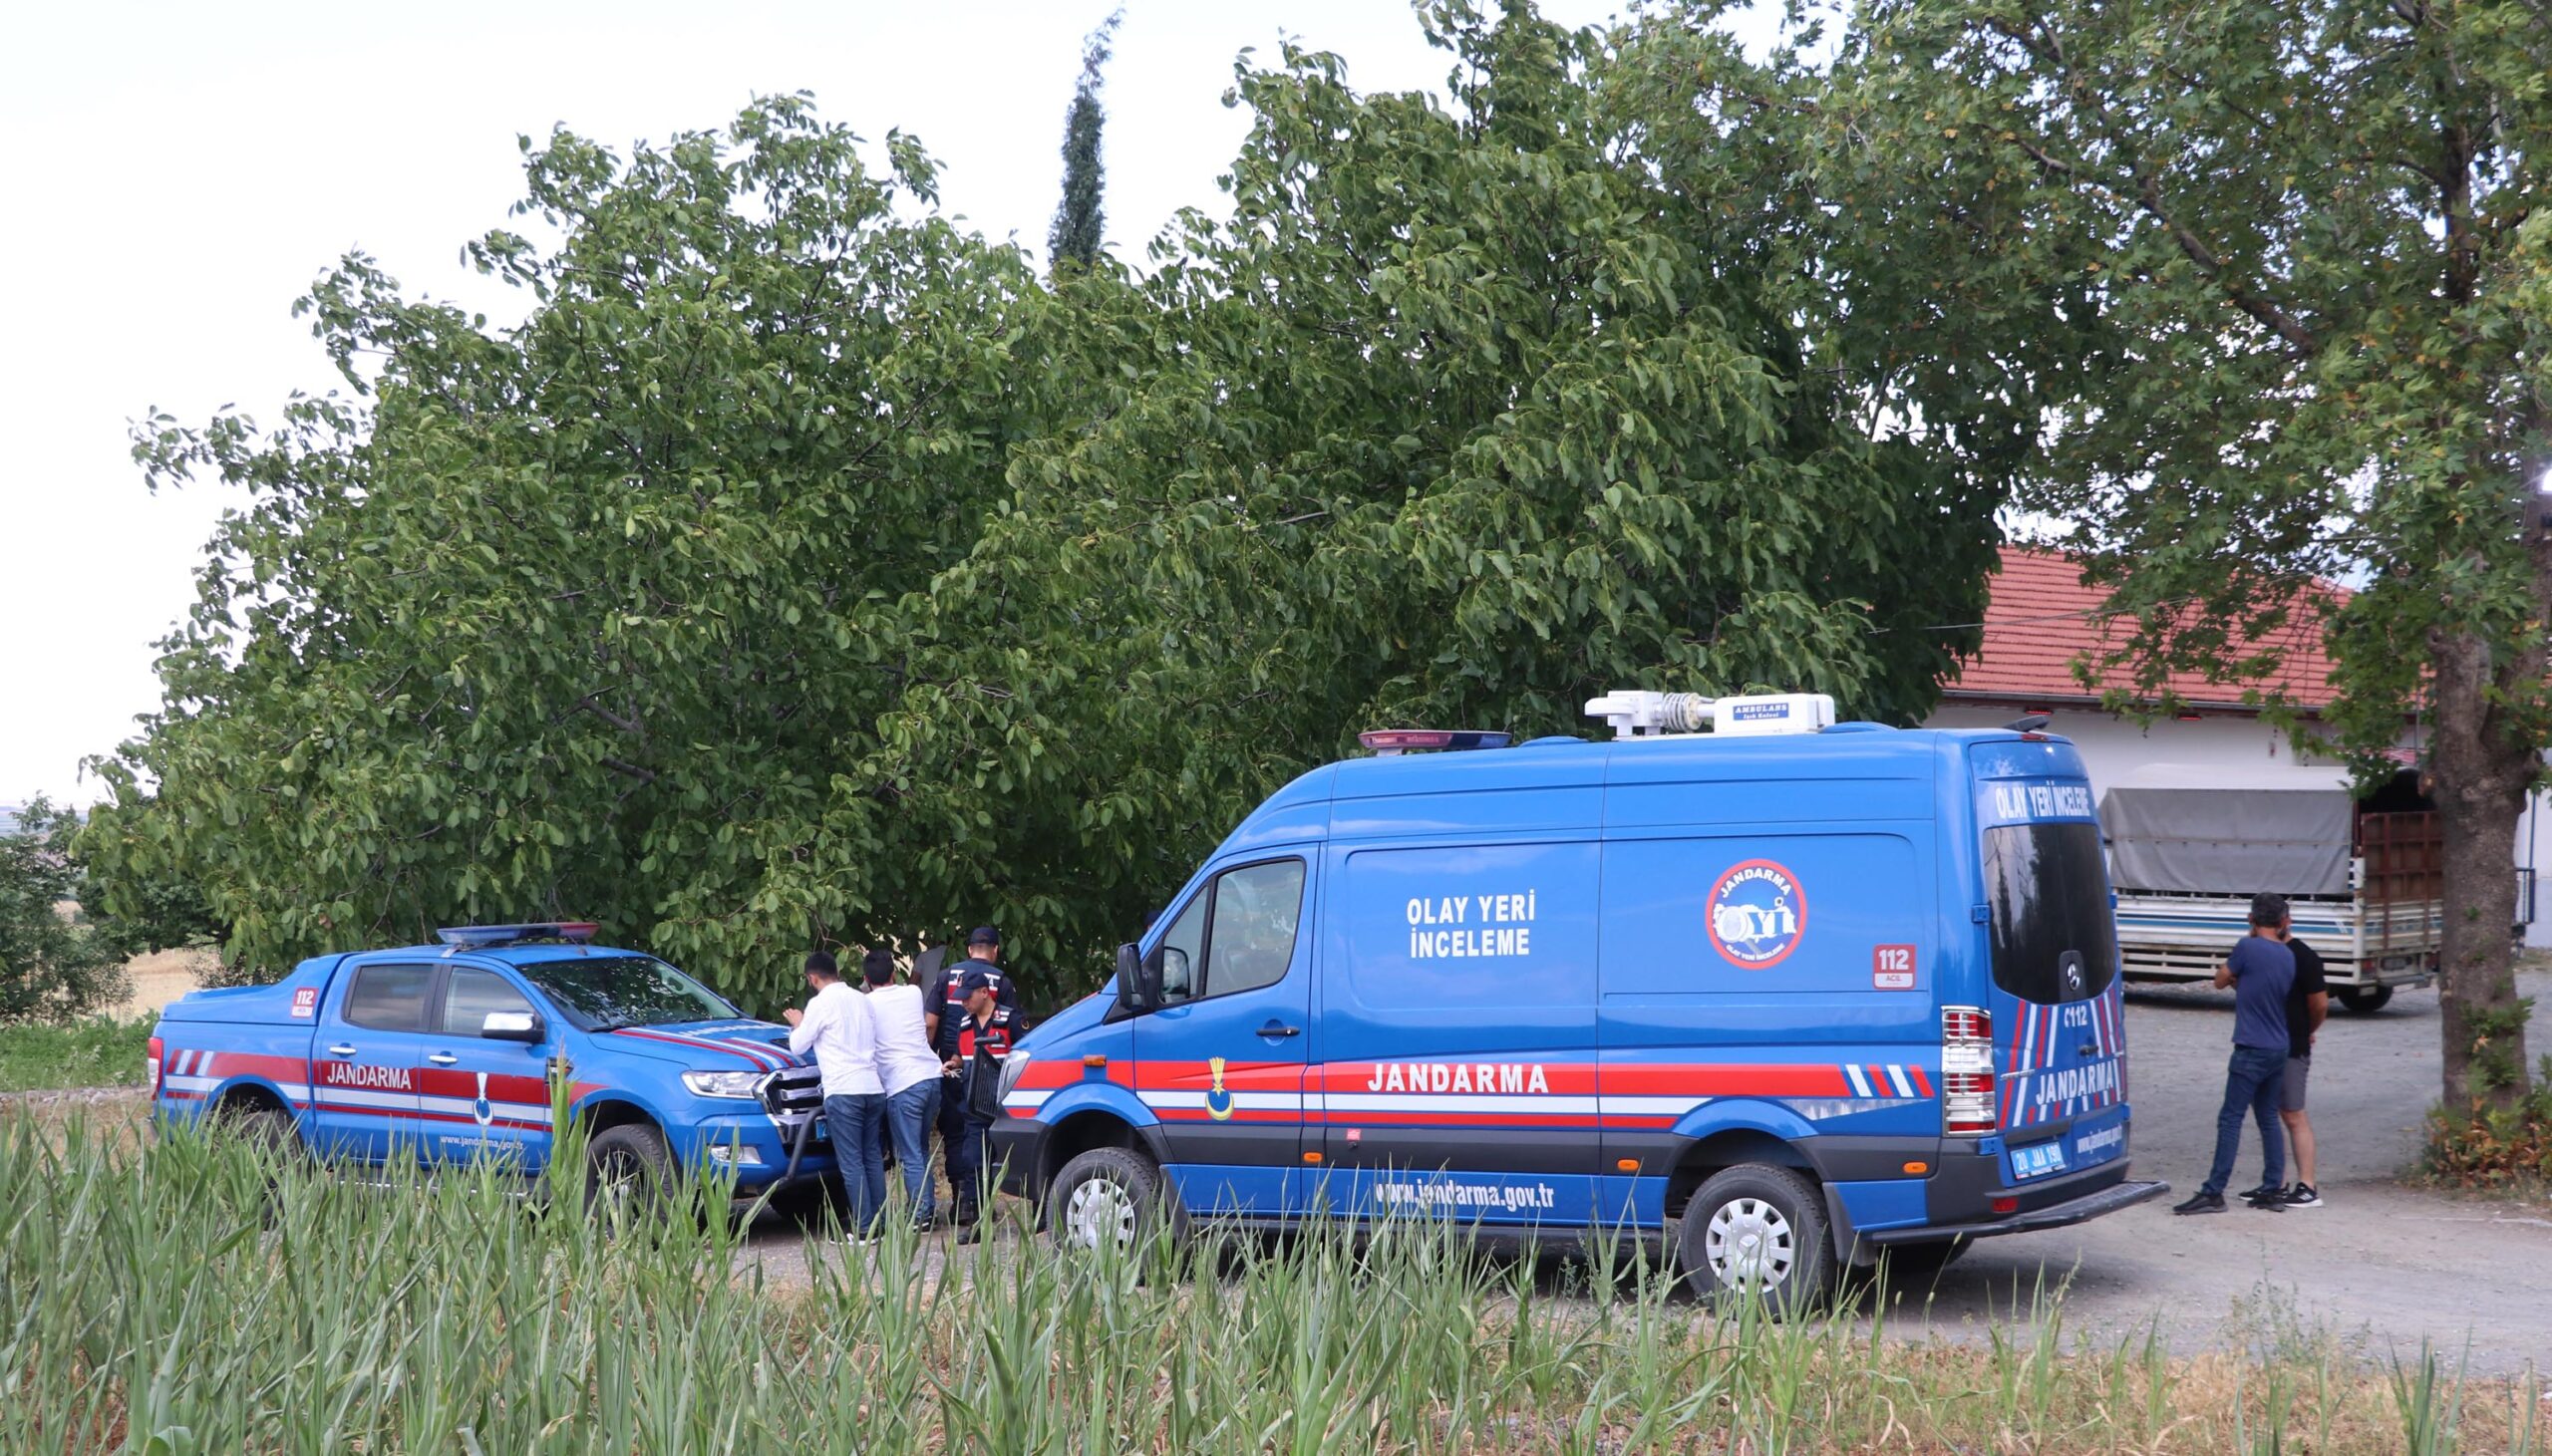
(710, 1045)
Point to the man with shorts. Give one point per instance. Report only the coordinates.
(2308, 1004)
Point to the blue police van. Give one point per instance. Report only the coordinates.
(1785, 992)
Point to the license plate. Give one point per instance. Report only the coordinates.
(2038, 1160)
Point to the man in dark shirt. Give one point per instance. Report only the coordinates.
(983, 952)
(2308, 1003)
(2260, 971)
(983, 1039)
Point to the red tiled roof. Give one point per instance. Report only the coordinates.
(2040, 618)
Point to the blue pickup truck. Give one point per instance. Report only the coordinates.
(449, 1053)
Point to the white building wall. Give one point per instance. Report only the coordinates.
(2228, 750)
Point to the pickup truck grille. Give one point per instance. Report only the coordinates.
(794, 1095)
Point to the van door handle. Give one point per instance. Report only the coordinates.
(1276, 1027)
(441, 1058)
(342, 1048)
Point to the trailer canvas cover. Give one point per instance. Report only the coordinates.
(2216, 841)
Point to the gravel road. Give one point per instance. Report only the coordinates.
(2376, 1268)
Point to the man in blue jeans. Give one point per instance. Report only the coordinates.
(836, 1028)
(910, 1071)
(2260, 971)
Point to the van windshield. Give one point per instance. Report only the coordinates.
(2053, 936)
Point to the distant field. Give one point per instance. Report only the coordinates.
(159, 978)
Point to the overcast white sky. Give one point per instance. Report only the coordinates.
(185, 169)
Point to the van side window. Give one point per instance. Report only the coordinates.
(1257, 909)
(389, 998)
(1182, 952)
(1236, 935)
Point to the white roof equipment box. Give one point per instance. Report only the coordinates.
(1641, 714)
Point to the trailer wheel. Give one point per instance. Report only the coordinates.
(2365, 999)
(1757, 1230)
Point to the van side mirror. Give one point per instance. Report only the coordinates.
(1136, 991)
(523, 1027)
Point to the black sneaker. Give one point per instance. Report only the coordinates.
(925, 1224)
(2303, 1195)
(2271, 1200)
(2200, 1202)
(971, 1234)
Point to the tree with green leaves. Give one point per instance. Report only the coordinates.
(582, 616)
(54, 966)
(1080, 231)
(2255, 294)
(800, 570)
(1460, 419)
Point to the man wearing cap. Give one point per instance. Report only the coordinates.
(983, 1039)
(983, 952)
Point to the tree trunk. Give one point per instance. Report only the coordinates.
(2479, 777)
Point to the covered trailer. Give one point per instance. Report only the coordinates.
(2362, 878)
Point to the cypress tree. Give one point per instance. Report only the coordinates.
(1078, 221)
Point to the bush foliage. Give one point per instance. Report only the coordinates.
(54, 965)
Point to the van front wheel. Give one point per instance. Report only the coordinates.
(1106, 1197)
(1758, 1231)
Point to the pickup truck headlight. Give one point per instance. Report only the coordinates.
(745, 1084)
(1011, 1067)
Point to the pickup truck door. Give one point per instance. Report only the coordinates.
(478, 1098)
(369, 1045)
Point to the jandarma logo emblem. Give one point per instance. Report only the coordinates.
(1218, 1102)
(1758, 914)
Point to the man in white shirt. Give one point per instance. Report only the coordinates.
(837, 1026)
(910, 1071)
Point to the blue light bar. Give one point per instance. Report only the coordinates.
(483, 936)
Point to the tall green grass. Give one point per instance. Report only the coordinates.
(190, 1296)
(98, 1051)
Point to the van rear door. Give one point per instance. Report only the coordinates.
(2052, 954)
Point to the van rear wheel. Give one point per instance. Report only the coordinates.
(1758, 1231)
(1106, 1198)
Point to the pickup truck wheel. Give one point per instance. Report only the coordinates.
(1760, 1231)
(2363, 999)
(1106, 1197)
(270, 1130)
(628, 1171)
